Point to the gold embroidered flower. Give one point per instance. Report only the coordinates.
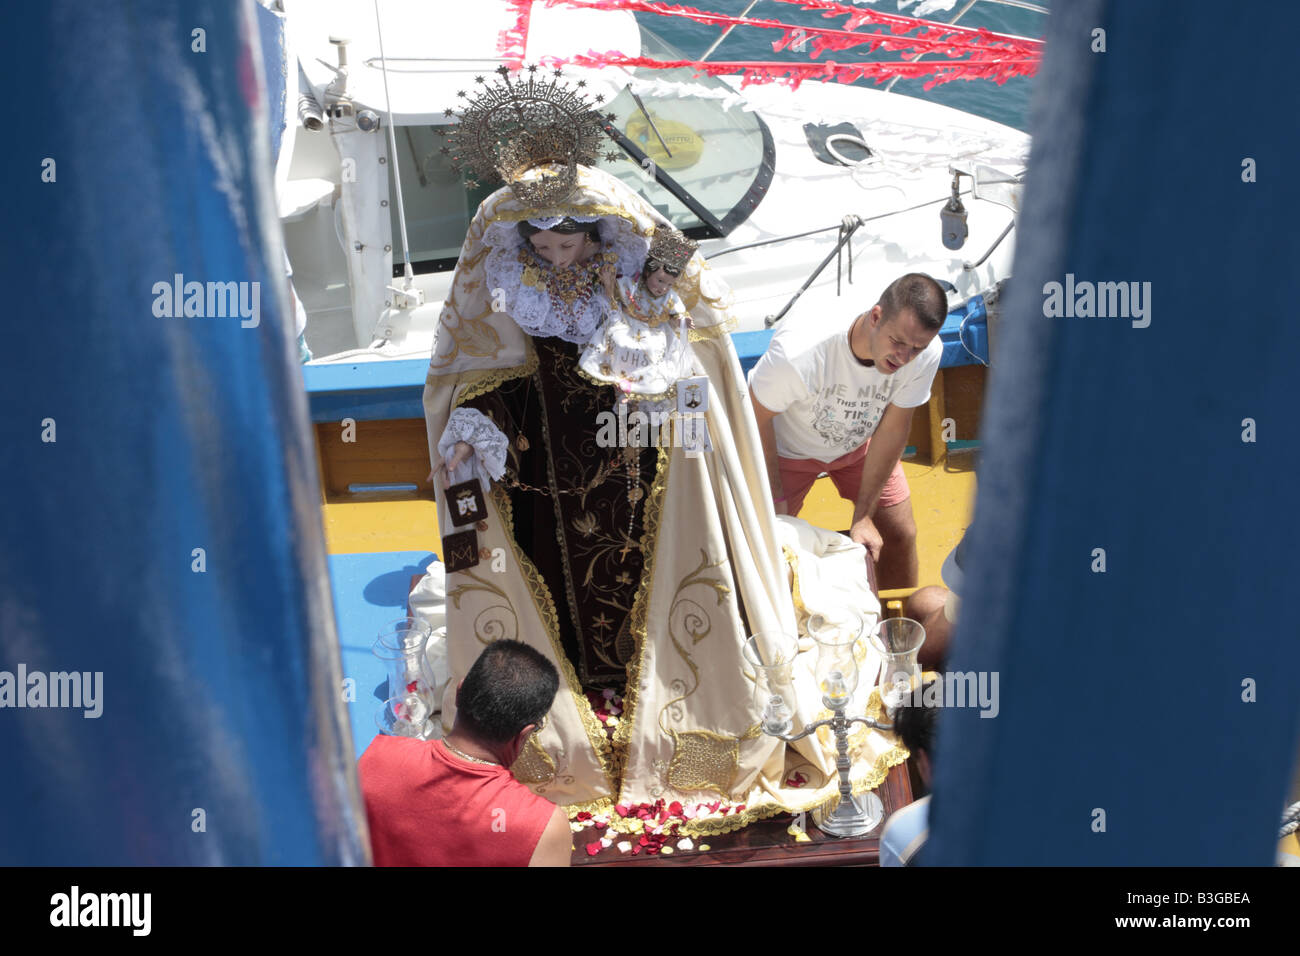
(601, 622)
(585, 524)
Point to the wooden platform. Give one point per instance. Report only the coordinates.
(766, 843)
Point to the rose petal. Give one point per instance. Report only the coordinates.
(652, 850)
(685, 843)
(624, 846)
(607, 693)
(644, 841)
(636, 850)
(704, 847)
(675, 808)
(666, 850)
(593, 848)
(621, 809)
(582, 815)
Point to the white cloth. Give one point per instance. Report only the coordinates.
(828, 574)
(429, 603)
(488, 463)
(830, 403)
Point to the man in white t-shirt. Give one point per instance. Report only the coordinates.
(837, 397)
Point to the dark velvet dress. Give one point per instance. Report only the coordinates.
(571, 505)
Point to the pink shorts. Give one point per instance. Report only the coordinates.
(799, 474)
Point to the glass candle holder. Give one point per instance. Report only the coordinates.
(898, 640)
(406, 715)
(837, 662)
(401, 646)
(770, 655)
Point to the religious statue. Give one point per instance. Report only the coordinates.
(639, 568)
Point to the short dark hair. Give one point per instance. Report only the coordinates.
(914, 721)
(510, 686)
(565, 226)
(921, 295)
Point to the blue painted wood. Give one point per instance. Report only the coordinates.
(220, 682)
(366, 391)
(370, 590)
(378, 391)
(1128, 693)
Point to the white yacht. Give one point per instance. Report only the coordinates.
(774, 182)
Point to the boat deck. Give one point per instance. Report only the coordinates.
(943, 495)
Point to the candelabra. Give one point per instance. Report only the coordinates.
(837, 677)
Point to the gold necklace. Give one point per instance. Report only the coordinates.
(465, 756)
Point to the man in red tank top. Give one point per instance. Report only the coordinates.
(455, 802)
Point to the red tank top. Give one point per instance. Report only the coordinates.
(428, 807)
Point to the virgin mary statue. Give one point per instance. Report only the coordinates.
(634, 564)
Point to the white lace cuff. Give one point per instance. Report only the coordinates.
(488, 463)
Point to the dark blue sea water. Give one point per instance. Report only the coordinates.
(1008, 103)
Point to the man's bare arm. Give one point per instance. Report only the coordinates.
(555, 848)
(886, 448)
(764, 416)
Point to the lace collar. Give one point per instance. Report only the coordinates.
(546, 301)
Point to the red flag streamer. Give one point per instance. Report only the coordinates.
(793, 74)
(898, 23)
(937, 38)
(513, 41)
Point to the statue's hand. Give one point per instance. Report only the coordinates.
(607, 278)
(460, 454)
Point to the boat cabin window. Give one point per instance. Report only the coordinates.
(438, 205)
(718, 152)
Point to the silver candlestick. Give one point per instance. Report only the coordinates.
(837, 676)
(853, 815)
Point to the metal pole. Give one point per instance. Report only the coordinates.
(718, 42)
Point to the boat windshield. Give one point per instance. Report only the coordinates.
(717, 152)
(696, 130)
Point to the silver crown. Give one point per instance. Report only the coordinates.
(511, 127)
(671, 247)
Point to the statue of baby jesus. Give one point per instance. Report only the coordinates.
(643, 346)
